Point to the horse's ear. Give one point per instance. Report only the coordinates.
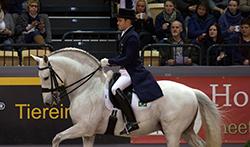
(38, 59)
(45, 58)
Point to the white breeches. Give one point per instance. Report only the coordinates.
(123, 82)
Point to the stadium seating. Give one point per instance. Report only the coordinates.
(155, 9)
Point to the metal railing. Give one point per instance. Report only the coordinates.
(18, 49)
(151, 47)
(225, 49)
(98, 43)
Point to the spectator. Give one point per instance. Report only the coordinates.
(241, 55)
(230, 22)
(7, 25)
(16, 7)
(217, 56)
(187, 8)
(177, 55)
(164, 20)
(199, 22)
(143, 23)
(245, 8)
(219, 7)
(29, 27)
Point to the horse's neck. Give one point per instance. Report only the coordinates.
(73, 71)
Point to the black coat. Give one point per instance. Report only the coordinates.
(146, 88)
(168, 53)
(214, 52)
(182, 6)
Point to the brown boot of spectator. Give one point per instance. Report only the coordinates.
(39, 40)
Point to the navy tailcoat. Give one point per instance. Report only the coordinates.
(146, 87)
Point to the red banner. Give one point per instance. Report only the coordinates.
(230, 94)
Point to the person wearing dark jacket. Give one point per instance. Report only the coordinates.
(199, 22)
(186, 7)
(29, 28)
(217, 55)
(16, 7)
(240, 56)
(132, 72)
(178, 55)
(165, 18)
(230, 21)
(143, 23)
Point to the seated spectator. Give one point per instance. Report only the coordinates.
(177, 55)
(187, 8)
(7, 26)
(241, 55)
(164, 20)
(219, 7)
(199, 22)
(245, 8)
(143, 23)
(29, 27)
(217, 56)
(16, 7)
(230, 22)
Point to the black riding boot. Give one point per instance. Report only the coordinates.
(128, 112)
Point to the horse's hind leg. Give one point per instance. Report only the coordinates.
(192, 138)
(173, 140)
(172, 136)
(75, 131)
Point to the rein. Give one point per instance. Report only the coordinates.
(62, 89)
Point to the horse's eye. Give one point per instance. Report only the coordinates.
(46, 78)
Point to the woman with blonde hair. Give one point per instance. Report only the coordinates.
(29, 27)
(143, 23)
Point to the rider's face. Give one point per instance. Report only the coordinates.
(123, 24)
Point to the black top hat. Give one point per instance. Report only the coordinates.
(126, 13)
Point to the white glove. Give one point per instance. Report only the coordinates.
(104, 62)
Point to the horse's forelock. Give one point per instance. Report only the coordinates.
(69, 49)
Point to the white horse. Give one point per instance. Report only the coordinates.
(174, 113)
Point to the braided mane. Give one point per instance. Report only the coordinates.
(71, 49)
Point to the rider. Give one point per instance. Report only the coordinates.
(132, 72)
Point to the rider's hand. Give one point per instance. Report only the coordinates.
(104, 62)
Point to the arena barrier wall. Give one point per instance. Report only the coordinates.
(25, 120)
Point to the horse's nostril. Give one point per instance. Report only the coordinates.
(47, 104)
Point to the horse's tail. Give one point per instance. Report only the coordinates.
(211, 119)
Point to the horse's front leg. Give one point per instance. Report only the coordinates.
(75, 131)
(88, 141)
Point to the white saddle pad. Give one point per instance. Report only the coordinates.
(136, 104)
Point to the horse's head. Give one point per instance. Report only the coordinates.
(50, 81)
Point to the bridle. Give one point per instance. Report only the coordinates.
(60, 92)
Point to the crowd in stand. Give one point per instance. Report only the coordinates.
(200, 22)
(21, 22)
